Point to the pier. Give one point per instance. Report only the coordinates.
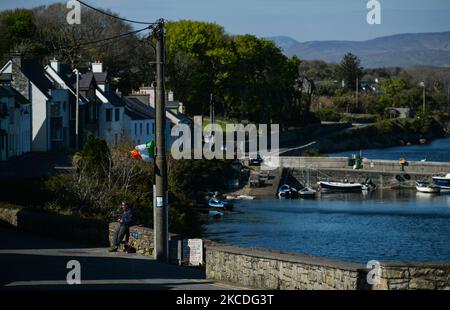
(382, 172)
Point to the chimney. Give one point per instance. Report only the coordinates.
(55, 64)
(16, 58)
(97, 67)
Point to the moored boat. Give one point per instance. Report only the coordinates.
(442, 182)
(307, 193)
(215, 214)
(246, 197)
(220, 203)
(341, 186)
(426, 187)
(288, 192)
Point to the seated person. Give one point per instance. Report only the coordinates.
(125, 221)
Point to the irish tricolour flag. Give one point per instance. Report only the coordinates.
(145, 152)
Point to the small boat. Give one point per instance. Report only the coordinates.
(220, 203)
(240, 197)
(442, 182)
(307, 193)
(215, 214)
(426, 187)
(246, 197)
(341, 186)
(347, 186)
(288, 192)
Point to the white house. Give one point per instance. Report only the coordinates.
(49, 103)
(15, 123)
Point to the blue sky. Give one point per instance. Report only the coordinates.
(304, 20)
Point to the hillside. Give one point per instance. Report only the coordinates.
(403, 50)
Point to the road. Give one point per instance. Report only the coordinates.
(33, 262)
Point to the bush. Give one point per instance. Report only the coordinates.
(328, 115)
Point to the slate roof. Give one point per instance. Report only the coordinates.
(137, 110)
(34, 71)
(4, 77)
(9, 91)
(85, 81)
(112, 97)
(100, 77)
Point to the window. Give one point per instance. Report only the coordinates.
(153, 128)
(148, 129)
(55, 109)
(140, 129)
(135, 129)
(56, 130)
(117, 115)
(108, 115)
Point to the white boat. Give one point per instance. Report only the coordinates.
(245, 197)
(425, 187)
(307, 193)
(341, 186)
(442, 182)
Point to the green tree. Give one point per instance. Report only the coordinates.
(350, 70)
(17, 30)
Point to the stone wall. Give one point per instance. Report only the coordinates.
(142, 239)
(414, 276)
(9, 216)
(144, 243)
(382, 172)
(391, 166)
(87, 231)
(274, 270)
(382, 180)
(265, 269)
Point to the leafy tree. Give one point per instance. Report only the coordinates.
(350, 70)
(17, 30)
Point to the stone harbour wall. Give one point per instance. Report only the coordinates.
(141, 238)
(265, 269)
(274, 270)
(414, 277)
(390, 166)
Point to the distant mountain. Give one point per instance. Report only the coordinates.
(403, 50)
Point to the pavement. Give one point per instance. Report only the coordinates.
(33, 262)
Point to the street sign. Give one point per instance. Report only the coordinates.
(193, 252)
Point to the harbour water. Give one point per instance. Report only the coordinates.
(437, 150)
(383, 225)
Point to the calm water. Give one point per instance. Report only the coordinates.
(438, 150)
(385, 226)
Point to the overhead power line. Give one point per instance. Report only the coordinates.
(115, 37)
(103, 42)
(115, 16)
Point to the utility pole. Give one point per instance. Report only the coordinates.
(357, 92)
(424, 98)
(77, 139)
(160, 210)
(448, 95)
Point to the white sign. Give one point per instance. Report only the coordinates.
(193, 251)
(159, 202)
